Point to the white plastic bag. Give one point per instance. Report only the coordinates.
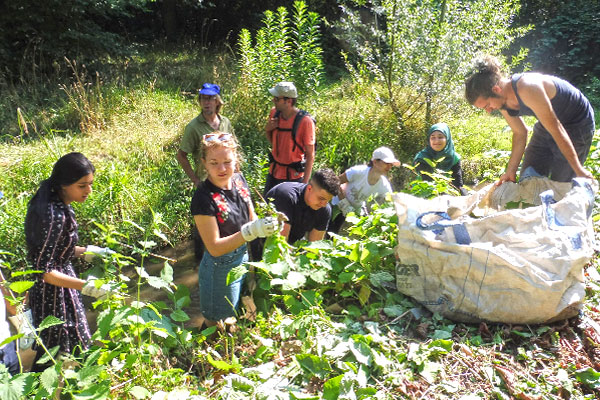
(513, 266)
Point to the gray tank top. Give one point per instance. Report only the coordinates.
(570, 105)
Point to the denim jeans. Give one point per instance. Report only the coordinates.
(217, 299)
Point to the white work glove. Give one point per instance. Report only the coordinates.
(345, 206)
(259, 228)
(27, 329)
(95, 289)
(92, 251)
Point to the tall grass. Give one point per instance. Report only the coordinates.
(129, 123)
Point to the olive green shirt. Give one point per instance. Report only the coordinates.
(192, 139)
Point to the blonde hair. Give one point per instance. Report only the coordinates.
(222, 139)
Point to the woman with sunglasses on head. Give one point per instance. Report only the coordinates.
(225, 219)
(52, 235)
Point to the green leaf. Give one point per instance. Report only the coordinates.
(46, 357)
(160, 235)
(378, 278)
(294, 306)
(394, 310)
(361, 352)
(236, 273)
(139, 392)
(9, 391)
(49, 378)
(179, 316)
(167, 272)
(147, 244)
(442, 346)
(331, 388)
(21, 286)
(134, 225)
(441, 334)
(16, 274)
(158, 283)
(88, 374)
(315, 365)
(98, 391)
(219, 364)
(182, 296)
(430, 371)
(589, 376)
(49, 321)
(346, 277)
(521, 333)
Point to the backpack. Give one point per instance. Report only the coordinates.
(298, 165)
(299, 115)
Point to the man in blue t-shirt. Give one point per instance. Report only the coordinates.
(306, 205)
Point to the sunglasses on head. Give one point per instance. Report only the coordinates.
(210, 137)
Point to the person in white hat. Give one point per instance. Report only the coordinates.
(358, 183)
(291, 132)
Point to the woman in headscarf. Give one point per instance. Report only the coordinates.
(439, 151)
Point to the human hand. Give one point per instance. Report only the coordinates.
(92, 251)
(94, 288)
(584, 173)
(506, 177)
(259, 228)
(271, 124)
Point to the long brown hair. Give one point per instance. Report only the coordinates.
(486, 73)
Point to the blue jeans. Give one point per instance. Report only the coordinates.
(217, 299)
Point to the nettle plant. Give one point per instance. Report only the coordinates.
(341, 274)
(133, 340)
(286, 48)
(333, 310)
(440, 182)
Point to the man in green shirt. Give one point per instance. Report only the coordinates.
(209, 120)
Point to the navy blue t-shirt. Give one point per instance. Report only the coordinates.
(288, 198)
(230, 207)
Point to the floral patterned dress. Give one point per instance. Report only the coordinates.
(54, 253)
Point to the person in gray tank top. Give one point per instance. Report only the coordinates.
(561, 137)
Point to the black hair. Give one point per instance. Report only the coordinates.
(485, 75)
(328, 180)
(67, 170)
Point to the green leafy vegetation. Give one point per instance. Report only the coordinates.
(330, 324)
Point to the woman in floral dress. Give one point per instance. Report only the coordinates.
(225, 219)
(51, 234)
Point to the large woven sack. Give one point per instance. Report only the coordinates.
(519, 266)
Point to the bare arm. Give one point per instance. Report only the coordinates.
(79, 251)
(285, 232)
(209, 232)
(315, 235)
(519, 141)
(59, 279)
(343, 180)
(182, 158)
(534, 95)
(310, 160)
